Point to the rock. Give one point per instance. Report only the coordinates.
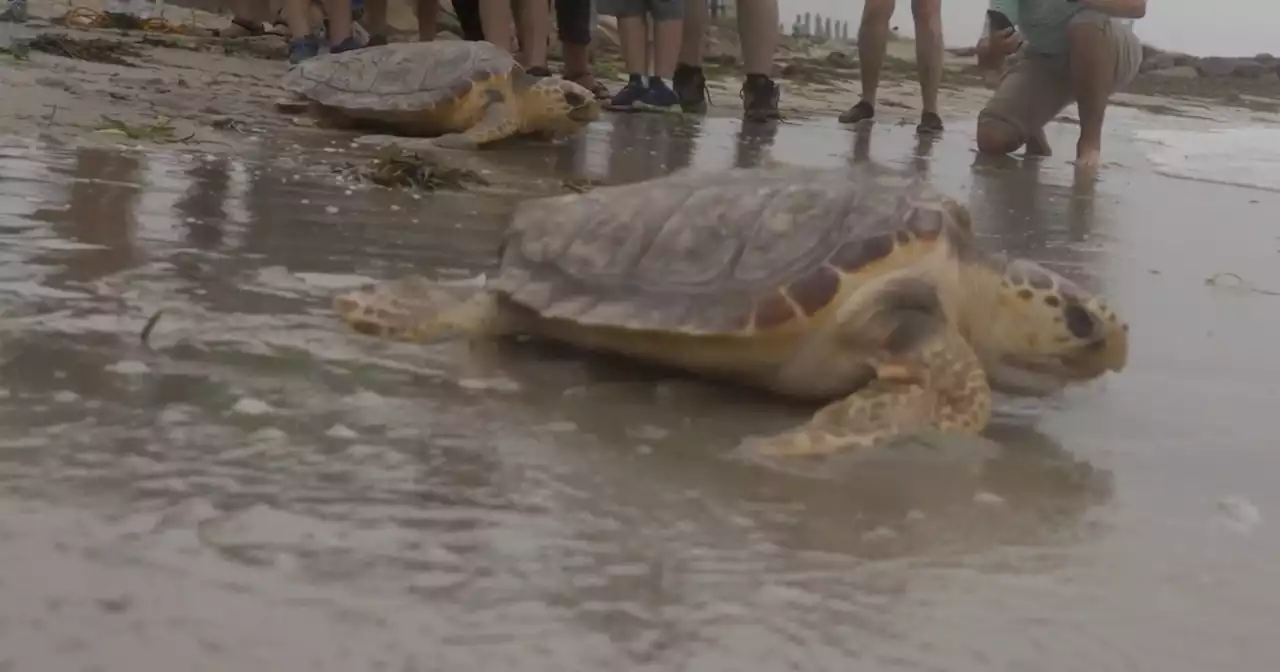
(1157, 61)
(1216, 66)
(1177, 71)
(840, 59)
(1250, 69)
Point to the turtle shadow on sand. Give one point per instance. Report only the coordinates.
(914, 496)
(461, 95)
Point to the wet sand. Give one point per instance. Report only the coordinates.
(262, 489)
(265, 490)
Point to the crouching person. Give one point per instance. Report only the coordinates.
(1075, 50)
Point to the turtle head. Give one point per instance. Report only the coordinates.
(558, 106)
(1044, 332)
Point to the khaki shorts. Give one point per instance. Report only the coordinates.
(1035, 90)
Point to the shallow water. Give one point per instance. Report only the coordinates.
(262, 489)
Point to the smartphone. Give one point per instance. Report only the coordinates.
(998, 21)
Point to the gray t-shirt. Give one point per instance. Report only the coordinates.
(1042, 23)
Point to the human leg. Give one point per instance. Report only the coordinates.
(633, 34)
(498, 23)
(1028, 97)
(873, 38)
(468, 13)
(758, 30)
(574, 25)
(375, 21)
(535, 29)
(1103, 56)
(302, 44)
(688, 80)
(667, 18)
(428, 20)
(338, 13)
(928, 20)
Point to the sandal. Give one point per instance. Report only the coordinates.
(586, 79)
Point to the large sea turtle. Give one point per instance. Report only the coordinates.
(861, 289)
(466, 93)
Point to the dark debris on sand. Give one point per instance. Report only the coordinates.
(394, 167)
(94, 49)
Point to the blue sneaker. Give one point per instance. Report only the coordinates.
(303, 48)
(625, 100)
(659, 97)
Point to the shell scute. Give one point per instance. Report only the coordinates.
(772, 311)
(857, 254)
(815, 291)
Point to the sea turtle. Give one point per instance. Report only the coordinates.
(467, 93)
(861, 289)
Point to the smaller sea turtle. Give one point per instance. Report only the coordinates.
(849, 285)
(467, 93)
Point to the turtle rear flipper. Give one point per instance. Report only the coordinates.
(419, 310)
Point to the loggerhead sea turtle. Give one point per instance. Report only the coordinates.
(862, 290)
(467, 93)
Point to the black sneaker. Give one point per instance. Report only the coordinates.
(860, 112)
(760, 97)
(376, 40)
(658, 97)
(630, 94)
(691, 87)
(349, 44)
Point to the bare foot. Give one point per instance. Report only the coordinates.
(1038, 145)
(1088, 157)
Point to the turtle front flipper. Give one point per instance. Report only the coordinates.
(498, 122)
(938, 385)
(419, 310)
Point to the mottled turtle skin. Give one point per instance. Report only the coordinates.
(463, 94)
(849, 285)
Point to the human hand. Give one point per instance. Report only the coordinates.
(1004, 42)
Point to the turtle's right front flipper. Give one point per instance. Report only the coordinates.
(937, 385)
(419, 310)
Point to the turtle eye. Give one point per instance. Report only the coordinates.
(574, 99)
(1079, 322)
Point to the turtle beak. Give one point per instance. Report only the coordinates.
(1109, 353)
(1113, 352)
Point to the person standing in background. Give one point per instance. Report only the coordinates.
(873, 40)
(635, 17)
(758, 35)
